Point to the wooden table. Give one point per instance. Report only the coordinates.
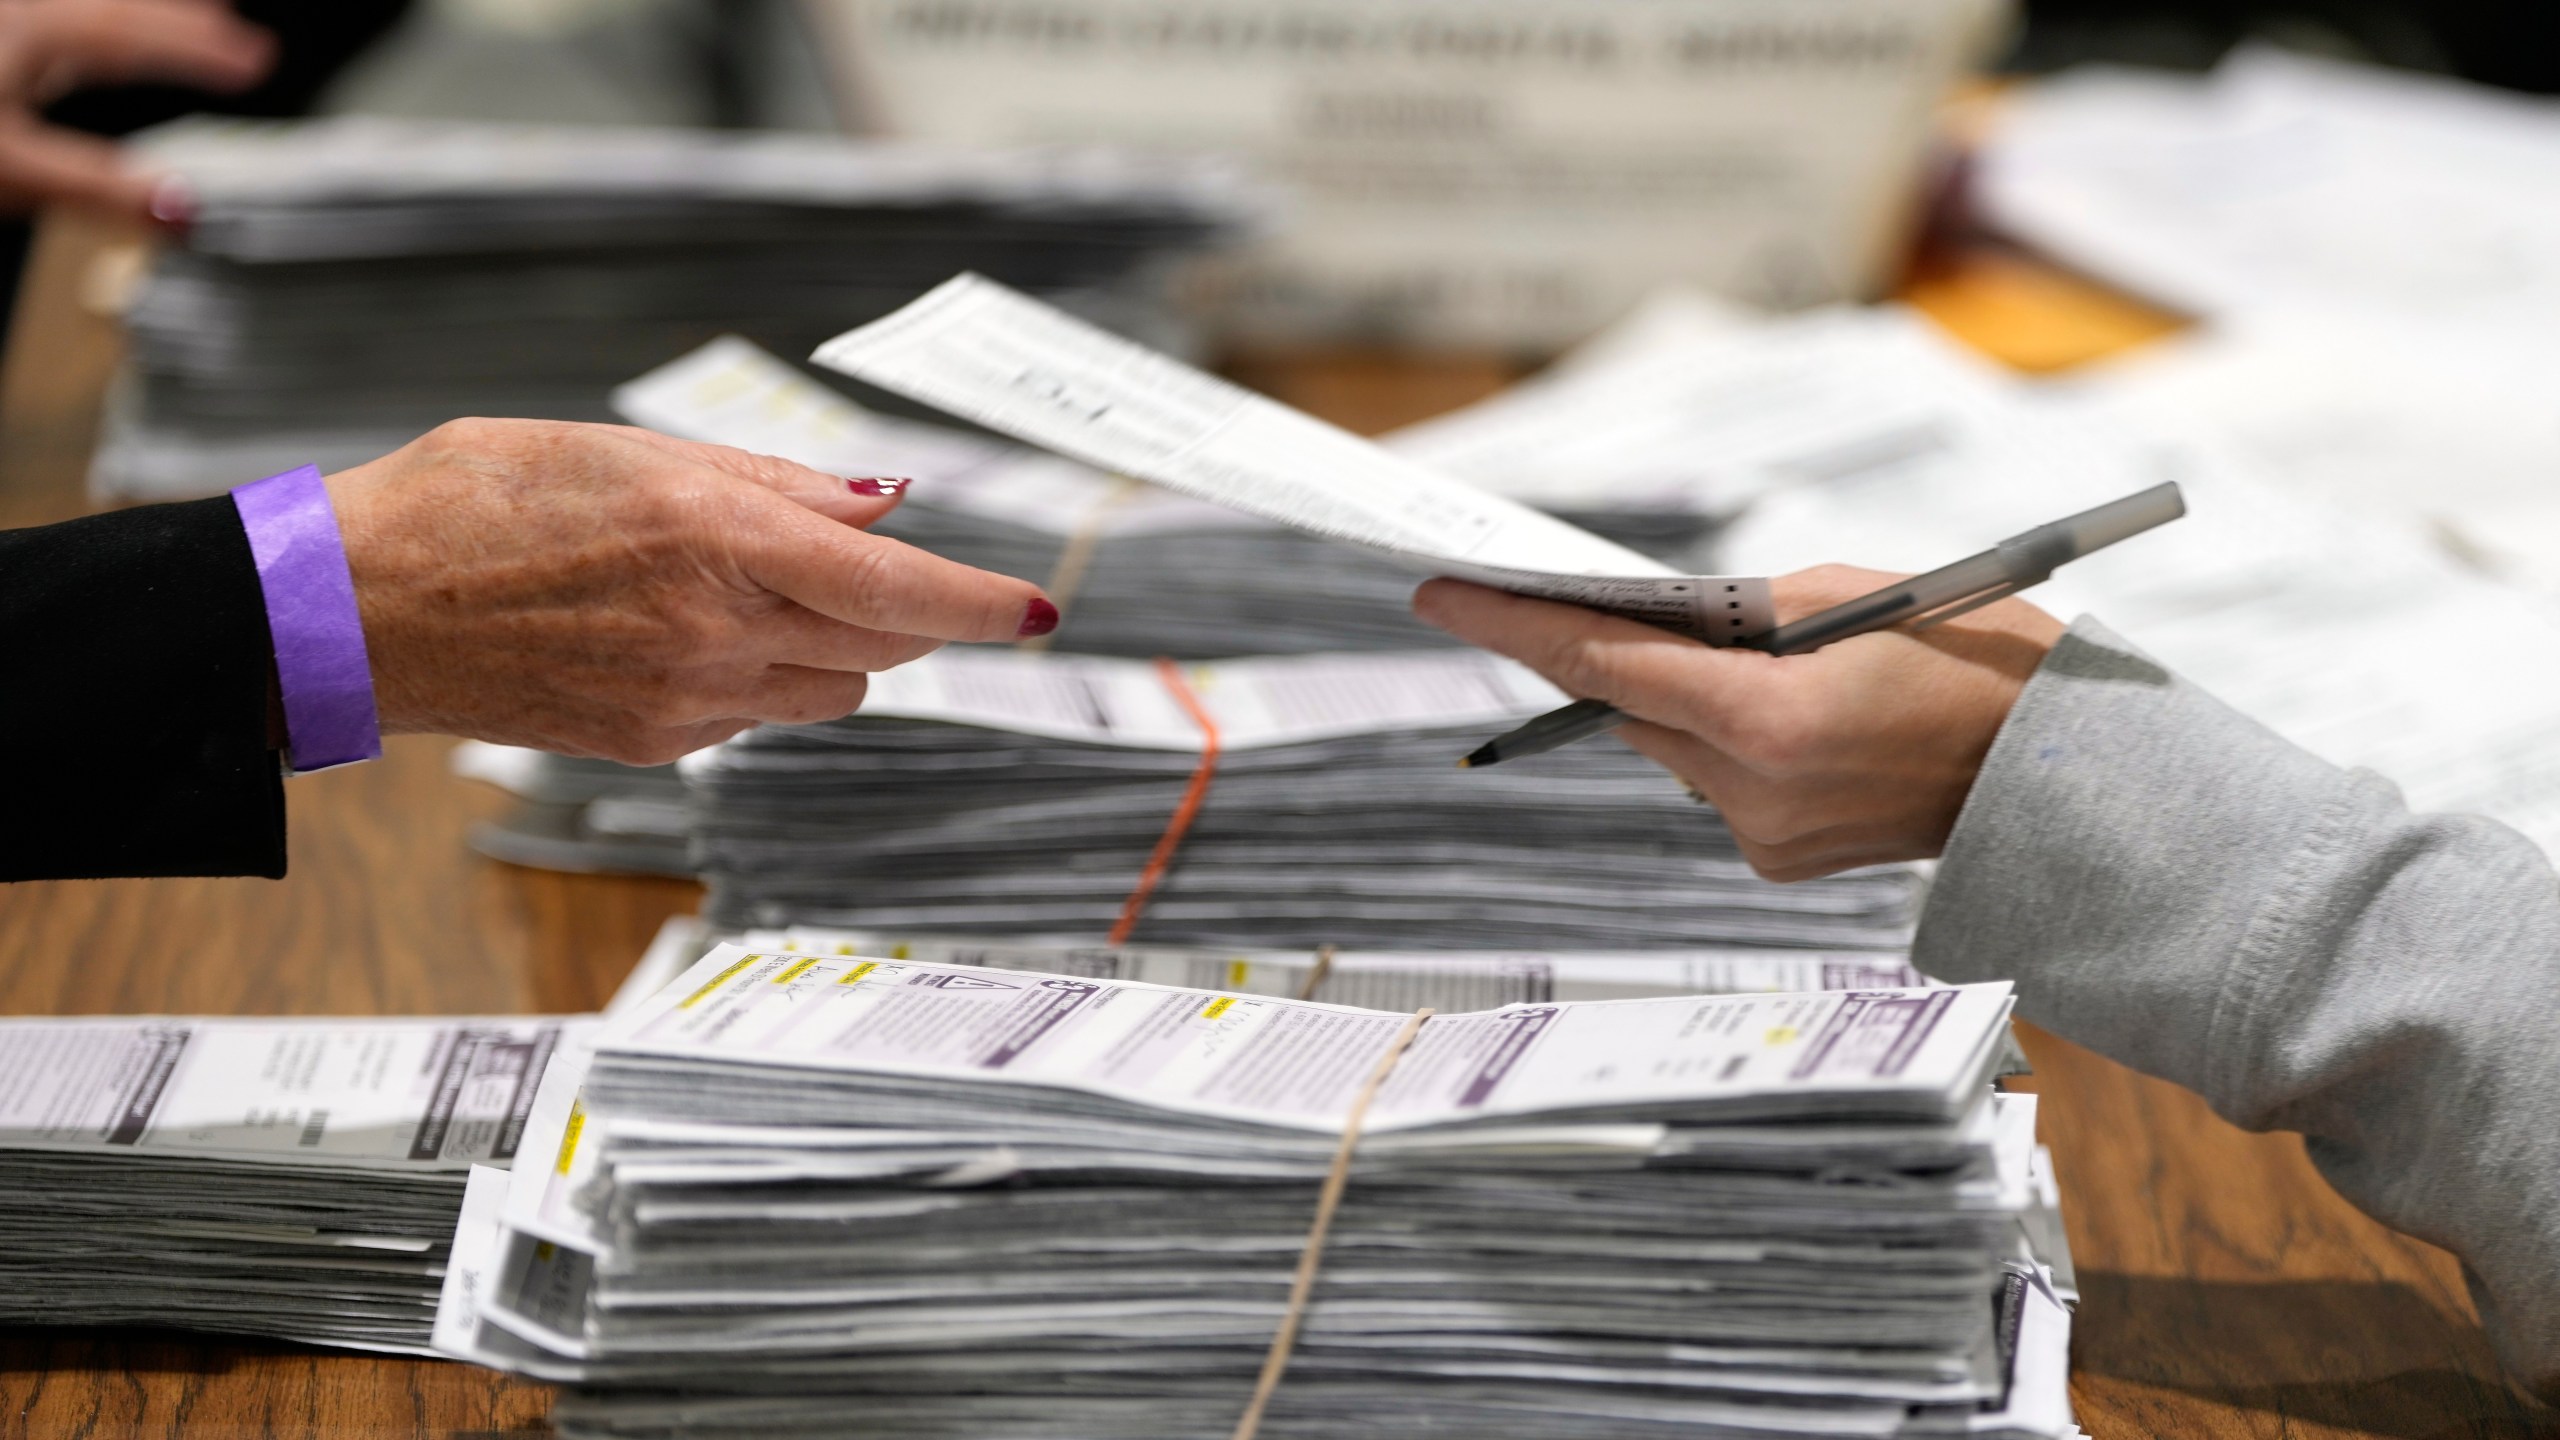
(2227, 1292)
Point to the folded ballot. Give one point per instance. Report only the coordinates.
(1137, 570)
(997, 792)
(831, 1195)
(974, 349)
(533, 268)
(295, 1178)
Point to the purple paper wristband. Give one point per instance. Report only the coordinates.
(311, 617)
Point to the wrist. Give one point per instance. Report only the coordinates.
(323, 680)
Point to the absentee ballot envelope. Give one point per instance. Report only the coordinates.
(998, 358)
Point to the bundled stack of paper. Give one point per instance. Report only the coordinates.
(351, 283)
(807, 1195)
(1004, 793)
(296, 1178)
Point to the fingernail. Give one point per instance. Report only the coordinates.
(1038, 618)
(173, 204)
(876, 484)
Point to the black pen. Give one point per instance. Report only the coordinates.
(1975, 581)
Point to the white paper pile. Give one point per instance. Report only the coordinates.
(2327, 579)
(351, 283)
(805, 1195)
(2282, 181)
(295, 1178)
(580, 814)
(2377, 259)
(995, 792)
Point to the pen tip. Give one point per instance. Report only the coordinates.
(1484, 754)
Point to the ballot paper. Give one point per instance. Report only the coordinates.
(989, 791)
(289, 1177)
(1070, 1206)
(986, 354)
(536, 267)
(1164, 574)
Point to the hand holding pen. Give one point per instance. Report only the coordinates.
(1857, 753)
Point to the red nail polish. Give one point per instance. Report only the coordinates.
(876, 485)
(173, 204)
(1038, 618)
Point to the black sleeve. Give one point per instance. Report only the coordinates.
(134, 666)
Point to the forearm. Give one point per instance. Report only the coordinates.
(134, 711)
(2177, 887)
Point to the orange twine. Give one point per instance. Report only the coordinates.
(1184, 813)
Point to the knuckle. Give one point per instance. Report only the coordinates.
(1583, 666)
(674, 703)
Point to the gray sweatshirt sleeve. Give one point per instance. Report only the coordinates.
(2173, 885)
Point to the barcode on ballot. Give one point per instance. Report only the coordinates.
(312, 1128)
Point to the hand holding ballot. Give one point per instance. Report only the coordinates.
(596, 590)
(1859, 753)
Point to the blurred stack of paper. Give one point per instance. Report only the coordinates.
(995, 792)
(2377, 256)
(1072, 1207)
(2282, 181)
(579, 814)
(296, 1178)
(351, 283)
(2363, 641)
(2444, 433)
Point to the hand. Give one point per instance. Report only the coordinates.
(596, 590)
(1856, 754)
(51, 47)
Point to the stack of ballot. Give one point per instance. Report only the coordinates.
(293, 1178)
(1073, 1206)
(573, 813)
(531, 269)
(992, 791)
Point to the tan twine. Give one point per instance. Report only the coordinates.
(1276, 1362)
(1316, 976)
(1076, 556)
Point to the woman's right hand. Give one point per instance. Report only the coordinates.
(49, 48)
(1859, 753)
(599, 590)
